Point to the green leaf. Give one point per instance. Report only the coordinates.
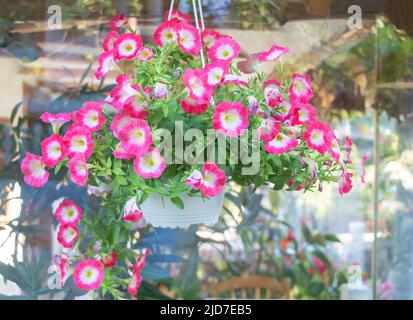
(84, 75)
(332, 238)
(178, 202)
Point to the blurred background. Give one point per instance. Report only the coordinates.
(321, 245)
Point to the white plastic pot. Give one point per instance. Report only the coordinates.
(161, 212)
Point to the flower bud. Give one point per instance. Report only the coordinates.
(160, 91)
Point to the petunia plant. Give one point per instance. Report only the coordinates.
(121, 150)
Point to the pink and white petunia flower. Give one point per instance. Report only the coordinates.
(123, 91)
(216, 73)
(56, 120)
(275, 53)
(109, 260)
(304, 113)
(194, 180)
(91, 116)
(284, 111)
(251, 65)
(280, 144)
(110, 39)
(136, 278)
(145, 54)
(211, 182)
(62, 263)
(300, 89)
(34, 170)
(335, 148)
(67, 235)
(230, 118)
(150, 164)
(272, 93)
(160, 90)
(196, 80)
(117, 22)
(106, 63)
(188, 38)
(78, 141)
(318, 136)
(120, 153)
(68, 213)
(136, 136)
(132, 216)
(268, 129)
(178, 16)
(78, 170)
(119, 122)
(235, 79)
(209, 37)
(190, 106)
(165, 34)
(88, 275)
(136, 106)
(224, 49)
(53, 150)
(127, 46)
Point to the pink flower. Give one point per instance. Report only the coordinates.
(196, 80)
(272, 93)
(110, 39)
(160, 91)
(345, 183)
(117, 22)
(284, 111)
(56, 120)
(304, 113)
(211, 182)
(132, 216)
(53, 150)
(318, 136)
(216, 73)
(136, 106)
(127, 46)
(134, 284)
(363, 169)
(335, 148)
(34, 171)
(119, 122)
(320, 265)
(78, 170)
(123, 91)
(145, 54)
(230, 118)
(349, 145)
(209, 37)
(78, 141)
(300, 89)
(235, 79)
(120, 153)
(165, 33)
(224, 49)
(251, 65)
(109, 261)
(268, 129)
(62, 264)
(273, 54)
(280, 144)
(178, 16)
(188, 38)
(106, 62)
(91, 116)
(68, 213)
(88, 275)
(67, 235)
(149, 164)
(136, 136)
(190, 106)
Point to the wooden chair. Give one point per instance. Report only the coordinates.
(252, 287)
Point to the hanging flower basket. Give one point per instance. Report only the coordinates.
(156, 143)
